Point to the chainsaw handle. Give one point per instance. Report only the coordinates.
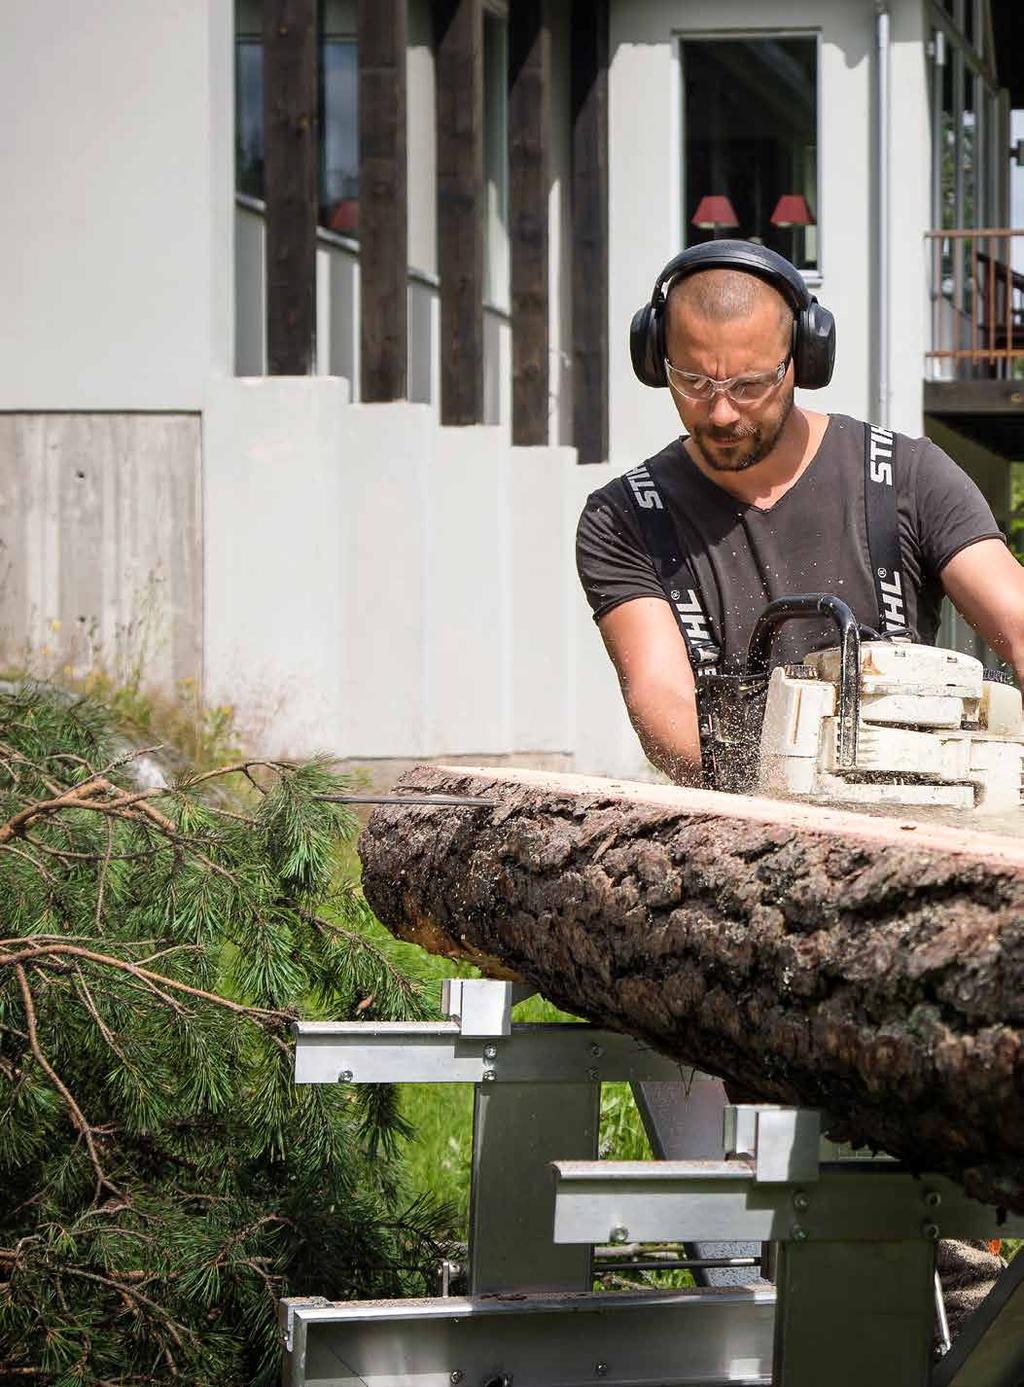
(798, 608)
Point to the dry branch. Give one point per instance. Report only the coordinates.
(873, 967)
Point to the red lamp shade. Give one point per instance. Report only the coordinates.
(792, 210)
(713, 211)
(344, 216)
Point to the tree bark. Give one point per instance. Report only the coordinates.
(869, 966)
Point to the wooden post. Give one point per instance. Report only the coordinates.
(590, 228)
(529, 68)
(383, 210)
(290, 164)
(460, 206)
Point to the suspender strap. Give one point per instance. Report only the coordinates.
(883, 526)
(673, 567)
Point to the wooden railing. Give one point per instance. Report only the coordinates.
(977, 301)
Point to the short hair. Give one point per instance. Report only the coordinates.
(722, 295)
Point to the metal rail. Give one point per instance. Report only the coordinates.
(977, 300)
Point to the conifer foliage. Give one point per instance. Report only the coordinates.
(163, 1178)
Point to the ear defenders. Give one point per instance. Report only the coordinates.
(814, 328)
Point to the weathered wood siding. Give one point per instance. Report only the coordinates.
(101, 555)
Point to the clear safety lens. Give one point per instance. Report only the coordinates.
(742, 390)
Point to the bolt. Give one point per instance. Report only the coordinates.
(455, 1375)
(596, 1052)
(798, 1234)
(930, 1231)
(593, 1075)
(801, 1201)
(488, 1076)
(490, 1052)
(600, 1369)
(618, 1234)
(932, 1199)
(345, 1077)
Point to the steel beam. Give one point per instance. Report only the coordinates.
(723, 1201)
(424, 1052)
(518, 1129)
(672, 1338)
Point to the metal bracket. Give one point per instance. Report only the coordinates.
(481, 1006)
(288, 1311)
(783, 1143)
(431, 1052)
(652, 1201)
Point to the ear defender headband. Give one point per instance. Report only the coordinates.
(814, 328)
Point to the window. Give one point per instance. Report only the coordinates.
(339, 136)
(750, 122)
(496, 255)
(338, 154)
(248, 100)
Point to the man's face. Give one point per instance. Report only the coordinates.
(732, 437)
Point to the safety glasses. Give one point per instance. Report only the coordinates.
(741, 390)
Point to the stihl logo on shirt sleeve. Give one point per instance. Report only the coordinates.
(644, 490)
(880, 455)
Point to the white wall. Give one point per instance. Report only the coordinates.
(382, 587)
(116, 233)
(645, 192)
(910, 201)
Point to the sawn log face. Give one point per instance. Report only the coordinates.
(870, 968)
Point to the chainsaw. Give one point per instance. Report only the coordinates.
(875, 719)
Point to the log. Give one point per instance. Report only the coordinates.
(872, 967)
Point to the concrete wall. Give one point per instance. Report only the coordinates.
(116, 234)
(101, 544)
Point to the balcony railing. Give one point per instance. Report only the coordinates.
(977, 298)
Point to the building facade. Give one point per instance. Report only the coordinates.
(316, 322)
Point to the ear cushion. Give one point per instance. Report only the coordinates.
(644, 347)
(814, 350)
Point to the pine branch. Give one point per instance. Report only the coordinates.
(141, 925)
(154, 981)
(77, 1116)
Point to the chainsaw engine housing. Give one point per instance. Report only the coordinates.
(933, 727)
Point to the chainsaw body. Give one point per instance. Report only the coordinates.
(870, 721)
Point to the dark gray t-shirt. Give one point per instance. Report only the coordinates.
(813, 539)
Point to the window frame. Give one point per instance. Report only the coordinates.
(247, 30)
(813, 278)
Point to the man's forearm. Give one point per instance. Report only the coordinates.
(667, 729)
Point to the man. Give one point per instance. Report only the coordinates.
(767, 500)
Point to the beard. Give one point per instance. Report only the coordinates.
(746, 444)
